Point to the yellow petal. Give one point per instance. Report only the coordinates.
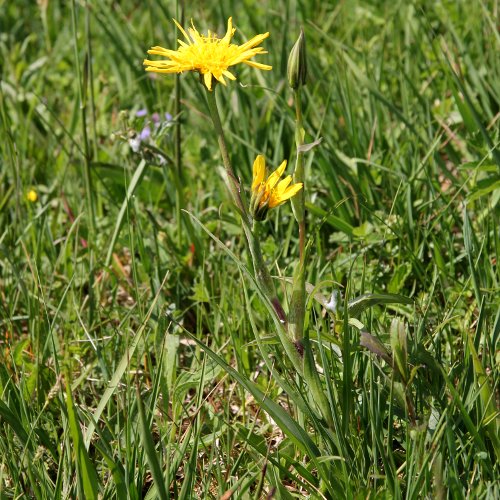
(230, 31)
(181, 29)
(159, 64)
(253, 41)
(259, 172)
(257, 65)
(291, 191)
(208, 80)
(195, 36)
(275, 176)
(220, 78)
(163, 70)
(282, 185)
(194, 31)
(229, 75)
(161, 51)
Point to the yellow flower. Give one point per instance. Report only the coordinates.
(210, 55)
(271, 192)
(32, 196)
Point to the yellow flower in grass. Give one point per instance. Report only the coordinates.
(209, 55)
(270, 192)
(32, 196)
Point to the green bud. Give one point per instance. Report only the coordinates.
(399, 348)
(297, 63)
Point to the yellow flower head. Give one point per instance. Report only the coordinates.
(271, 192)
(210, 55)
(32, 196)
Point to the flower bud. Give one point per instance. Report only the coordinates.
(399, 348)
(297, 63)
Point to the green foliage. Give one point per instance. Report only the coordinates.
(137, 359)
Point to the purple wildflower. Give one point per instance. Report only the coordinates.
(145, 133)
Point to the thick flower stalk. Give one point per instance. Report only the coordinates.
(268, 191)
(297, 77)
(209, 55)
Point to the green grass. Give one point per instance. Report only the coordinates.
(137, 358)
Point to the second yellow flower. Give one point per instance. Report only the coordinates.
(271, 192)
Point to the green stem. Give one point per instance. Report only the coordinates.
(90, 69)
(298, 302)
(87, 164)
(179, 201)
(260, 269)
(87, 153)
(231, 180)
(298, 175)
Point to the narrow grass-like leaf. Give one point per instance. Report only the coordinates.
(9, 417)
(357, 305)
(116, 469)
(134, 183)
(149, 449)
(332, 220)
(487, 396)
(122, 366)
(87, 476)
(296, 433)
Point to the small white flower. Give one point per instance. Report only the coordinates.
(332, 305)
(135, 143)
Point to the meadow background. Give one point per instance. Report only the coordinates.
(110, 293)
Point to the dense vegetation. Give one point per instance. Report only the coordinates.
(131, 331)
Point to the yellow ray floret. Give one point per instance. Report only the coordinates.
(209, 55)
(271, 192)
